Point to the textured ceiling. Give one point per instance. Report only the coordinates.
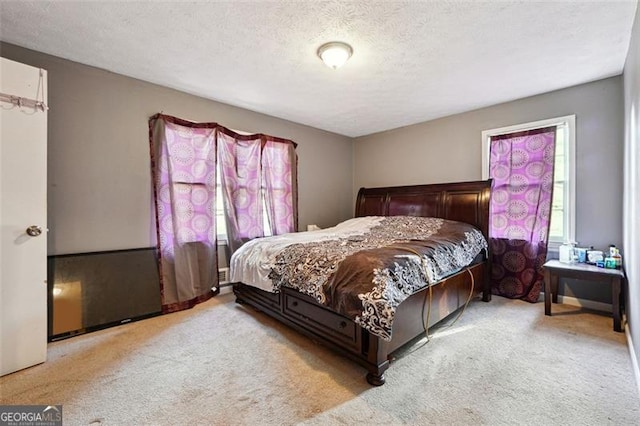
(413, 60)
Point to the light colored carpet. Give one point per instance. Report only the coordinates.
(220, 363)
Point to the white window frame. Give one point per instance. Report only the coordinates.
(569, 202)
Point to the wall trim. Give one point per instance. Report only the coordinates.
(634, 360)
(584, 303)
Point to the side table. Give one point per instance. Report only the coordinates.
(553, 269)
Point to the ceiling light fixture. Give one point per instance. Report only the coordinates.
(335, 53)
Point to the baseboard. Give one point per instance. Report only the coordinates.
(634, 358)
(589, 304)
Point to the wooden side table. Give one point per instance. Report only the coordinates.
(553, 269)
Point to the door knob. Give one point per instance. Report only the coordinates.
(34, 230)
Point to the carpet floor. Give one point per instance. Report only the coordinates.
(220, 363)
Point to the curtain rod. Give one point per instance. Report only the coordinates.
(23, 102)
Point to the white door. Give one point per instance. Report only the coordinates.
(23, 204)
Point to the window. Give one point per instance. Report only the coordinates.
(562, 227)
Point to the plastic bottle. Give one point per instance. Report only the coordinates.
(618, 258)
(609, 262)
(566, 253)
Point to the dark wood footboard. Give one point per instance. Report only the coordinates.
(341, 334)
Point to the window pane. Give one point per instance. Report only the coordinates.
(558, 199)
(559, 172)
(560, 139)
(221, 226)
(556, 231)
(265, 217)
(556, 227)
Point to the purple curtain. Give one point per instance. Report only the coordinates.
(183, 163)
(279, 176)
(253, 167)
(241, 180)
(521, 165)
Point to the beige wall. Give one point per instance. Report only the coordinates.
(632, 184)
(98, 167)
(449, 149)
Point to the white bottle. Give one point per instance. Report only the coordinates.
(566, 253)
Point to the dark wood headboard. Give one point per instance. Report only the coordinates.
(462, 201)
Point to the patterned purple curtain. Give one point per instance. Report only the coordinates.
(279, 176)
(241, 180)
(521, 165)
(183, 163)
(251, 165)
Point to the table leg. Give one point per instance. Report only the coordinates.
(547, 292)
(554, 287)
(615, 302)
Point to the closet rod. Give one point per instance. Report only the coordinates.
(23, 102)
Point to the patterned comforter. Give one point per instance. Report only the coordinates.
(365, 272)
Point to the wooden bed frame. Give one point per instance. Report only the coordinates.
(465, 202)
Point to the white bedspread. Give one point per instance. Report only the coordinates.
(252, 263)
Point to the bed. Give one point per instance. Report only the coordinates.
(465, 202)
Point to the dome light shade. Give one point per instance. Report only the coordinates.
(335, 54)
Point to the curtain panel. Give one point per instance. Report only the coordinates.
(183, 164)
(279, 169)
(241, 181)
(258, 176)
(521, 165)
